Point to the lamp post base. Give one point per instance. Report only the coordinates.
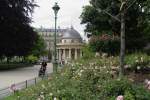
(55, 67)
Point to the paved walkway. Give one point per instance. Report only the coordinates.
(19, 75)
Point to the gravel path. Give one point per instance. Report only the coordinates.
(18, 75)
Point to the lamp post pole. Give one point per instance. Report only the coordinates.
(56, 9)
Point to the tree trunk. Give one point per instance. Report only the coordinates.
(122, 49)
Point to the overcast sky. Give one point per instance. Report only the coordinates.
(69, 13)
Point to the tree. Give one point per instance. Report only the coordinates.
(123, 12)
(16, 35)
(136, 18)
(39, 47)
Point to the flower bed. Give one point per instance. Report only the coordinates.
(86, 79)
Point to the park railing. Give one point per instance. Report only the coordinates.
(19, 86)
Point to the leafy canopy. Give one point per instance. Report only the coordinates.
(136, 17)
(16, 35)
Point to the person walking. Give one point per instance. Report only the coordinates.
(43, 69)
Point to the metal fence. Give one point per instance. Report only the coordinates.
(19, 86)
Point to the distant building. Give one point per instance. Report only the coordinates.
(69, 43)
(69, 48)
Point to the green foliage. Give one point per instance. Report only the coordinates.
(86, 79)
(39, 48)
(128, 96)
(13, 66)
(109, 45)
(115, 87)
(137, 61)
(87, 52)
(130, 91)
(31, 59)
(141, 93)
(17, 37)
(98, 21)
(137, 21)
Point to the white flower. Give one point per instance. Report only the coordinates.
(138, 67)
(104, 55)
(104, 66)
(80, 64)
(50, 94)
(79, 74)
(81, 71)
(55, 98)
(96, 67)
(142, 59)
(72, 65)
(43, 86)
(136, 61)
(38, 98)
(42, 96)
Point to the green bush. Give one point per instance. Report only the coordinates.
(137, 61)
(115, 87)
(13, 66)
(31, 59)
(130, 91)
(87, 52)
(106, 44)
(129, 96)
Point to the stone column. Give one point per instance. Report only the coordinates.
(69, 53)
(80, 52)
(59, 54)
(76, 54)
(64, 54)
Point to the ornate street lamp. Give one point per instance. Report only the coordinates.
(56, 9)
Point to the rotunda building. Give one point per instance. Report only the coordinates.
(69, 47)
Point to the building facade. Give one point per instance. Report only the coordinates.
(69, 48)
(69, 43)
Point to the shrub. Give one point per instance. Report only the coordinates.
(13, 66)
(137, 61)
(114, 88)
(105, 43)
(130, 91)
(129, 96)
(31, 59)
(87, 52)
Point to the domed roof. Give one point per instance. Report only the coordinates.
(71, 33)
